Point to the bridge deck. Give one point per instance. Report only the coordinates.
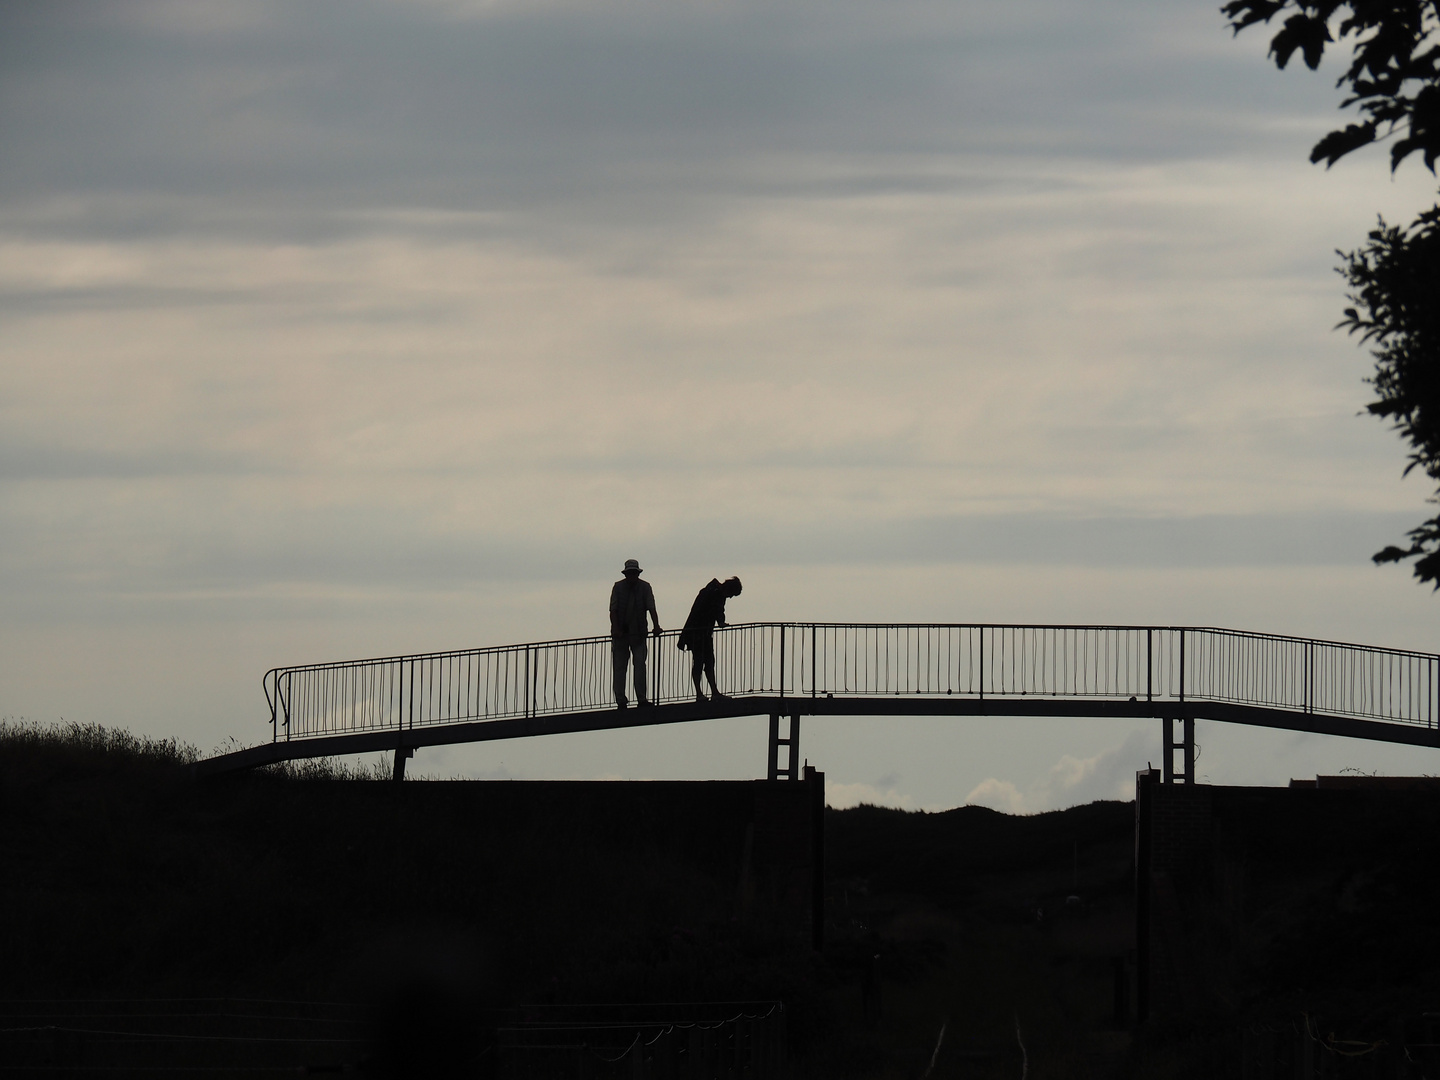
(828, 669)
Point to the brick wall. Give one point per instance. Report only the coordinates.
(1180, 830)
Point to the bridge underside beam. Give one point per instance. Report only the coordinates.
(370, 742)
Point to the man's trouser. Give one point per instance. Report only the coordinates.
(622, 650)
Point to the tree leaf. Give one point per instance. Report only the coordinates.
(1337, 144)
(1243, 13)
(1302, 32)
(1390, 554)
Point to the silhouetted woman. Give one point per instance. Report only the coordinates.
(698, 636)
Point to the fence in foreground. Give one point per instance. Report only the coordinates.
(246, 1037)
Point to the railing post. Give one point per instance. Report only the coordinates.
(525, 690)
(1149, 664)
(782, 660)
(1309, 676)
(981, 680)
(412, 698)
(1182, 665)
(812, 660)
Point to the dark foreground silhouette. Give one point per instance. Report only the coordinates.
(403, 926)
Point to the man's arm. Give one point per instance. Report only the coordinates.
(654, 615)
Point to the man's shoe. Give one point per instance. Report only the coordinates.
(701, 699)
(717, 696)
(642, 704)
(621, 704)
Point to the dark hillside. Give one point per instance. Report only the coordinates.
(988, 925)
(954, 856)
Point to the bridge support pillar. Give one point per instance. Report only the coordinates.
(1185, 746)
(791, 770)
(401, 753)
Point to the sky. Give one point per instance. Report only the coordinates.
(340, 330)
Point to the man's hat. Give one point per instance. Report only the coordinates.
(633, 564)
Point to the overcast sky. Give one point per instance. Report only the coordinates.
(350, 329)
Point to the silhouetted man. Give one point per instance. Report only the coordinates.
(706, 613)
(630, 600)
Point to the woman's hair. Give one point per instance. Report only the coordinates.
(732, 584)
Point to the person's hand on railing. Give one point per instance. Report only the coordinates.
(658, 631)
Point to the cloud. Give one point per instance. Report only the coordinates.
(1107, 775)
(884, 792)
(1071, 781)
(646, 111)
(409, 410)
(999, 795)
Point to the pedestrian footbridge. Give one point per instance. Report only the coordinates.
(788, 670)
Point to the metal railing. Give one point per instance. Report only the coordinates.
(1147, 663)
(654, 1042)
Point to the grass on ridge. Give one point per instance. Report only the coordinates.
(91, 744)
(91, 747)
